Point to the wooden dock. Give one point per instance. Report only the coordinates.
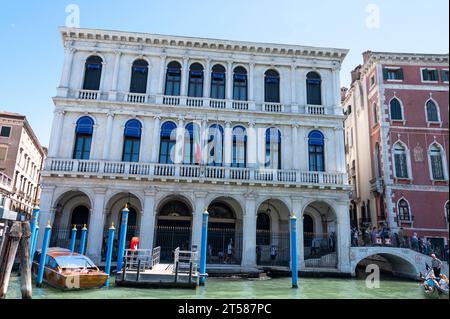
(142, 269)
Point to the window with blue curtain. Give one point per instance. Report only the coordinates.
(239, 147)
(218, 82)
(173, 79)
(139, 77)
(432, 112)
(272, 87)
(92, 73)
(192, 146)
(195, 80)
(396, 110)
(215, 145)
(273, 148)
(132, 141)
(240, 84)
(167, 143)
(83, 138)
(314, 88)
(316, 146)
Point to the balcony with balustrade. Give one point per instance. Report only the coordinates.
(207, 103)
(194, 173)
(5, 182)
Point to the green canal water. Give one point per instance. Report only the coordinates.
(216, 288)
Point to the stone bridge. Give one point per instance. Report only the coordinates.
(402, 262)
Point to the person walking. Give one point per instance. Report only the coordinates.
(436, 264)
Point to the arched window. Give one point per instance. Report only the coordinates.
(432, 112)
(396, 110)
(273, 148)
(403, 210)
(239, 147)
(240, 84)
(400, 159)
(215, 145)
(272, 86)
(375, 113)
(139, 76)
(92, 73)
(314, 88)
(132, 141)
(218, 82)
(83, 138)
(263, 229)
(192, 146)
(195, 80)
(173, 79)
(167, 143)
(316, 145)
(436, 162)
(378, 159)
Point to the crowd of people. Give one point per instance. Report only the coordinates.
(384, 236)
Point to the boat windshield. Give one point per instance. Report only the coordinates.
(74, 262)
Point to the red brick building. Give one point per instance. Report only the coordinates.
(397, 143)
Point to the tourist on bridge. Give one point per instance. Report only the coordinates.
(436, 264)
(415, 242)
(373, 236)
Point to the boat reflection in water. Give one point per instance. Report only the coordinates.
(69, 271)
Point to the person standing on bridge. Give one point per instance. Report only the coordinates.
(436, 264)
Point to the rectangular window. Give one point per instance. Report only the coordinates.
(430, 75)
(393, 74)
(400, 166)
(5, 131)
(444, 75)
(436, 167)
(3, 153)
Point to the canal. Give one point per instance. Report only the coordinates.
(216, 288)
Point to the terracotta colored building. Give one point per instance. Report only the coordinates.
(397, 143)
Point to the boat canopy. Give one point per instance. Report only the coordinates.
(74, 262)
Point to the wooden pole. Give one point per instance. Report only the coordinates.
(25, 264)
(11, 245)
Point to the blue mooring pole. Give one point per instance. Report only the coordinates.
(40, 277)
(33, 225)
(33, 244)
(123, 237)
(294, 257)
(73, 239)
(83, 240)
(109, 252)
(203, 248)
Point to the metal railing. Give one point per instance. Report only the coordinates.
(141, 259)
(156, 256)
(200, 172)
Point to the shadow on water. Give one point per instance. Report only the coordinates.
(225, 288)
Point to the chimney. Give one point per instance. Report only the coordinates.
(343, 93)
(366, 56)
(356, 73)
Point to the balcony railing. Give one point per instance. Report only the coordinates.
(136, 98)
(315, 109)
(191, 172)
(273, 107)
(88, 95)
(376, 185)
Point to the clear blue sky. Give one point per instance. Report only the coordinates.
(31, 55)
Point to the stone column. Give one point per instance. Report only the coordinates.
(251, 83)
(179, 142)
(228, 144)
(251, 145)
(295, 158)
(340, 149)
(115, 79)
(200, 198)
(207, 79)
(249, 228)
(229, 84)
(343, 236)
(96, 226)
(337, 91)
(63, 89)
(297, 206)
(146, 140)
(47, 213)
(147, 226)
(55, 141)
(156, 139)
(108, 136)
(185, 76)
(293, 90)
(162, 73)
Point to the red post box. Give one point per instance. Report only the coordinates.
(134, 243)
